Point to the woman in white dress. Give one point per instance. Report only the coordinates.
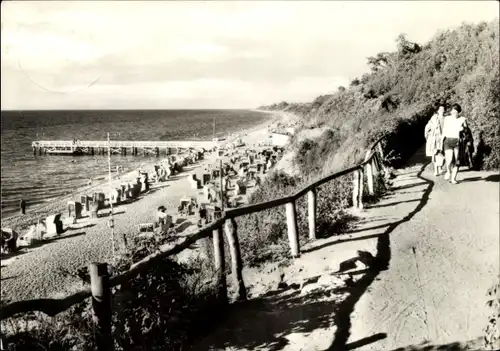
(433, 136)
(453, 124)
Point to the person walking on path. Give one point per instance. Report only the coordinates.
(466, 148)
(434, 140)
(453, 125)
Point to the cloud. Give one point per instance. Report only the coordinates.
(211, 53)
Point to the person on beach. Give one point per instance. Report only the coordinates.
(434, 141)
(22, 206)
(453, 125)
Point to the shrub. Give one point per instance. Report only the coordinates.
(459, 65)
(492, 330)
(69, 330)
(165, 308)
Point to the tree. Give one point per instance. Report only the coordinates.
(381, 60)
(406, 47)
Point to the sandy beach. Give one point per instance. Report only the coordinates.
(39, 272)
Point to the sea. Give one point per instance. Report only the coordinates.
(41, 179)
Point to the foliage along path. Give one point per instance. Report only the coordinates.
(429, 253)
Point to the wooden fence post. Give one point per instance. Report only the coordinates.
(220, 265)
(291, 221)
(380, 150)
(355, 189)
(369, 177)
(312, 203)
(236, 261)
(361, 180)
(375, 165)
(369, 170)
(101, 305)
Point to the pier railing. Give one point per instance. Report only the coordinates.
(92, 147)
(122, 143)
(101, 282)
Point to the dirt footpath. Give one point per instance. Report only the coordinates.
(442, 263)
(429, 253)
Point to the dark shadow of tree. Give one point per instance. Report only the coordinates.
(286, 312)
(475, 344)
(382, 259)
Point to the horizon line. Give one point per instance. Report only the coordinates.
(132, 109)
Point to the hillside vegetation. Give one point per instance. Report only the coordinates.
(395, 99)
(400, 94)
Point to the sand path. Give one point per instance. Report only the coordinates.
(442, 262)
(454, 231)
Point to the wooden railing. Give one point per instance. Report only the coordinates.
(101, 283)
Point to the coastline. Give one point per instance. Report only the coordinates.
(21, 223)
(41, 271)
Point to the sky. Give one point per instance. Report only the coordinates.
(202, 54)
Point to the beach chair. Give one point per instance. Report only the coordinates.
(85, 200)
(213, 213)
(74, 209)
(187, 206)
(242, 188)
(9, 240)
(99, 198)
(194, 181)
(251, 174)
(94, 210)
(206, 178)
(215, 173)
(116, 195)
(146, 227)
(144, 182)
(123, 188)
(54, 224)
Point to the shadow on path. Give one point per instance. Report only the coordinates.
(491, 178)
(475, 344)
(392, 203)
(342, 318)
(268, 321)
(340, 241)
(280, 312)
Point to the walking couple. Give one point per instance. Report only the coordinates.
(452, 135)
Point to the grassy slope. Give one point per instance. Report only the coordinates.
(396, 99)
(460, 65)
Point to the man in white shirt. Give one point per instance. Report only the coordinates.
(453, 124)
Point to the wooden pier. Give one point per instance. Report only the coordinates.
(100, 147)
